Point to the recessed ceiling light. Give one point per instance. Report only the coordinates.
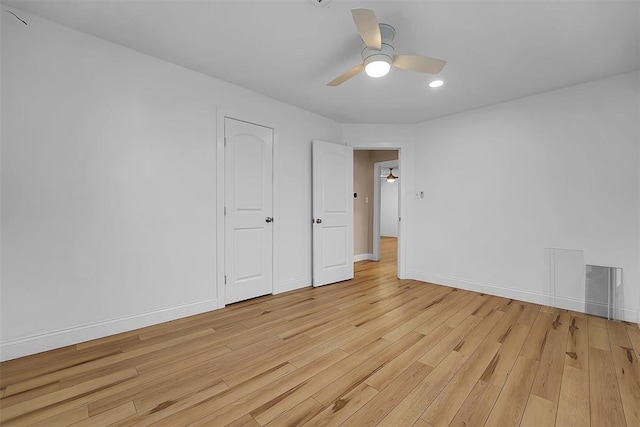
(436, 83)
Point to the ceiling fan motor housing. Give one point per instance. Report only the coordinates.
(387, 33)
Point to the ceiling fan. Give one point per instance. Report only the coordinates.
(378, 51)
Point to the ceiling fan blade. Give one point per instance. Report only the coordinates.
(367, 25)
(421, 64)
(346, 76)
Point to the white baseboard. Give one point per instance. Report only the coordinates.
(291, 285)
(363, 257)
(625, 314)
(18, 347)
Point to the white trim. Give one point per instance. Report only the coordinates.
(220, 292)
(221, 114)
(535, 297)
(292, 285)
(18, 347)
(365, 257)
(275, 206)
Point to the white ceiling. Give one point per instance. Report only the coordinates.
(289, 50)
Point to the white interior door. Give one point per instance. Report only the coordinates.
(248, 210)
(332, 212)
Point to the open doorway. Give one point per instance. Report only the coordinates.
(386, 206)
(376, 212)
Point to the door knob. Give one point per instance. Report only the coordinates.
(269, 219)
(318, 221)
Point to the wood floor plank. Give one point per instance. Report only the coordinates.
(477, 336)
(627, 369)
(511, 403)
(377, 333)
(343, 408)
(529, 315)
(331, 341)
(47, 400)
(493, 303)
(195, 353)
(118, 339)
(378, 407)
(199, 365)
(13, 399)
(443, 308)
(158, 396)
(413, 405)
(246, 421)
(573, 407)
(64, 419)
(498, 370)
(383, 377)
(549, 375)
(444, 408)
(539, 413)
(434, 356)
(534, 346)
(511, 315)
(374, 350)
(598, 336)
(272, 400)
(287, 352)
(196, 405)
(633, 331)
(13, 372)
(111, 416)
(448, 402)
(296, 416)
(467, 310)
(477, 406)
(102, 362)
(406, 327)
(604, 393)
(577, 351)
(365, 369)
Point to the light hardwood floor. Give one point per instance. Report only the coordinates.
(371, 351)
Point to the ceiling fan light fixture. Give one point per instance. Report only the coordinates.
(378, 51)
(378, 68)
(391, 177)
(436, 83)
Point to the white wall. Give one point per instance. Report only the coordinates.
(108, 213)
(556, 170)
(108, 190)
(389, 208)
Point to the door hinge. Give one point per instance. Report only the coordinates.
(225, 141)
(225, 279)
(225, 211)
(399, 219)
